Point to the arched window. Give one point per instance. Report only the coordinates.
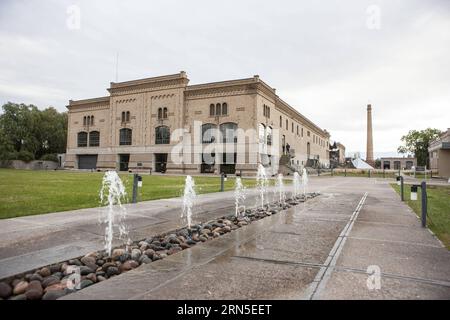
(228, 132)
(218, 109)
(94, 139)
(165, 113)
(224, 109)
(262, 133)
(208, 133)
(92, 120)
(128, 116)
(125, 138)
(82, 139)
(160, 113)
(84, 120)
(162, 135)
(123, 116)
(269, 136)
(211, 110)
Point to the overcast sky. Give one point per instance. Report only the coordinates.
(328, 59)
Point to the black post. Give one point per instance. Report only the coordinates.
(384, 176)
(345, 172)
(423, 186)
(135, 188)
(401, 189)
(369, 173)
(222, 178)
(331, 171)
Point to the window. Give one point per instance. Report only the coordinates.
(160, 113)
(123, 116)
(94, 139)
(218, 111)
(287, 124)
(224, 109)
(269, 136)
(125, 137)
(84, 120)
(162, 134)
(297, 130)
(128, 116)
(266, 111)
(281, 122)
(228, 132)
(165, 113)
(208, 132)
(82, 139)
(92, 120)
(308, 133)
(292, 127)
(211, 110)
(262, 133)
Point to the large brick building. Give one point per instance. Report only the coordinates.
(137, 126)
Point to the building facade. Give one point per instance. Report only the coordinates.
(141, 122)
(397, 163)
(439, 154)
(337, 155)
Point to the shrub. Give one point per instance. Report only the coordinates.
(26, 156)
(50, 157)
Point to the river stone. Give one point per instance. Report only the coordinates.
(90, 262)
(100, 262)
(55, 268)
(203, 238)
(53, 294)
(135, 254)
(92, 277)
(149, 252)
(227, 229)
(112, 271)
(45, 272)
(107, 265)
(183, 233)
(34, 290)
(242, 223)
(156, 256)
(126, 256)
(184, 245)
(5, 290)
(50, 280)
(117, 253)
(85, 270)
(128, 265)
(36, 276)
(216, 234)
(101, 278)
(191, 242)
(217, 230)
(57, 286)
(19, 297)
(85, 283)
(144, 259)
(173, 250)
(75, 262)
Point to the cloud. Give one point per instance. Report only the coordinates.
(321, 58)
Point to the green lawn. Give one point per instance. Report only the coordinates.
(391, 175)
(438, 209)
(26, 192)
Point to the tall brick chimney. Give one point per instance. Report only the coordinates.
(369, 150)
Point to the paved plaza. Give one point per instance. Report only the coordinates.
(320, 249)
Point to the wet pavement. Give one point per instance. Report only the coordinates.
(320, 249)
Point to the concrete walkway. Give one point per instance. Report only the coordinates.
(318, 250)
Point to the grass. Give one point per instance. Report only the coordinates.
(366, 174)
(27, 192)
(438, 219)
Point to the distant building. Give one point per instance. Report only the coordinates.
(397, 163)
(439, 151)
(337, 154)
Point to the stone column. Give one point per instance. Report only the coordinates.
(369, 151)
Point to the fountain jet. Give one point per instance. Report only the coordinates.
(188, 200)
(239, 194)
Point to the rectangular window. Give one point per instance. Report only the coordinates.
(302, 132)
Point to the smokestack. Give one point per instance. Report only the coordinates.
(369, 151)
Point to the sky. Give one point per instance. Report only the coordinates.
(327, 59)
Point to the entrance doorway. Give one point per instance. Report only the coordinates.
(160, 162)
(124, 159)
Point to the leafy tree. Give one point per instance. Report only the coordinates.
(416, 143)
(25, 130)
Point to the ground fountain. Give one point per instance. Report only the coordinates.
(304, 181)
(239, 196)
(112, 193)
(262, 183)
(297, 185)
(189, 196)
(279, 184)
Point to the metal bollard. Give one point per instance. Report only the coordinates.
(345, 172)
(423, 186)
(222, 181)
(369, 173)
(135, 188)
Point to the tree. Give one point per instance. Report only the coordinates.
(417, 142)
(25, 128)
